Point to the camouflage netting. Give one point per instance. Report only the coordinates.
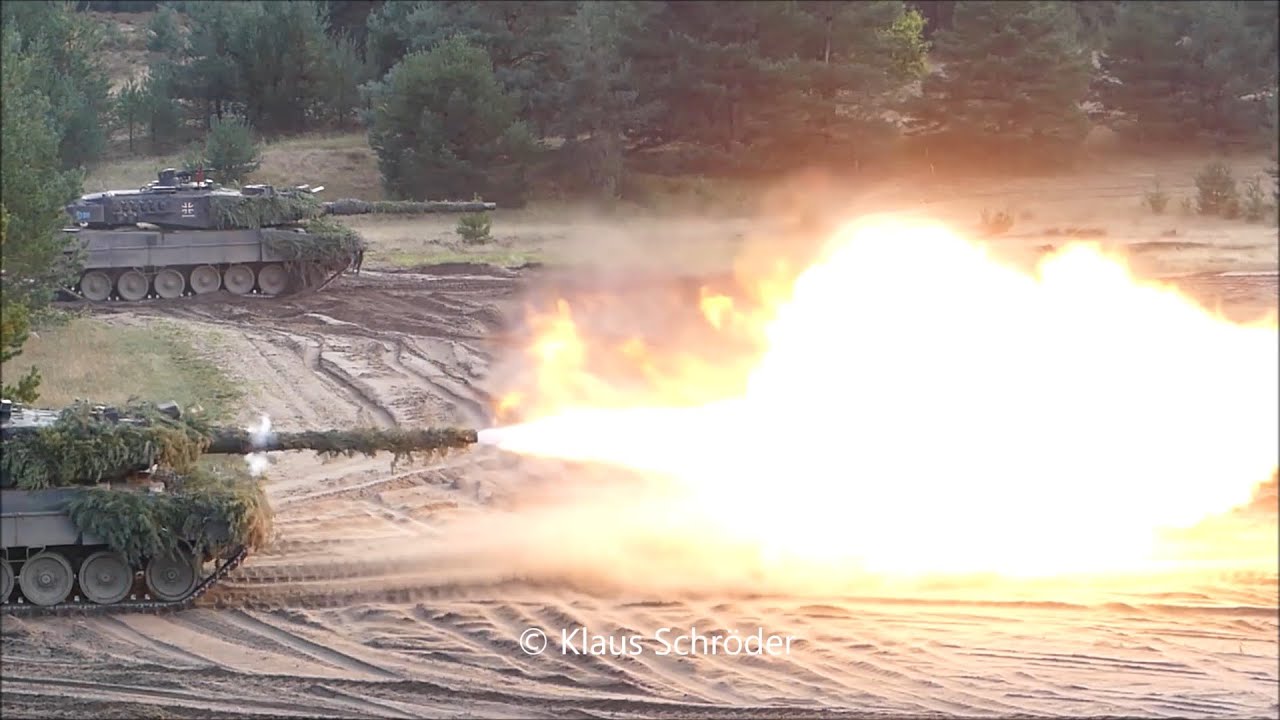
(325, 242)
(230, 212)
(350, 206)
(207, 510)
(81, 449)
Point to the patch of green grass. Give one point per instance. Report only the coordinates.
(323, 141)
(110, 363)
(128, 173)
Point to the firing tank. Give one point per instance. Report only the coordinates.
(107, 510)
(182, 235)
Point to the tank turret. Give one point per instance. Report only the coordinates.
(184, 235)
(104, 508)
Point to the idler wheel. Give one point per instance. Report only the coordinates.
(272, 279)
(105, 577)
(6, 581)
(205, 279)
(170, 284)
(46, 579)
(95, 285)
(132, 285)
(172, 576)
(238, 279)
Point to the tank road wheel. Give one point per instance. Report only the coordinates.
(95, 285)
(170, 284)
(272, 279)
(46, 578)
(172, 576)
(132, 285)
(6, 581)
(105, 577)
(205, 279)
(238, 279)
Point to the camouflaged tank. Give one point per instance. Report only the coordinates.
(106, 510)
(182, 235)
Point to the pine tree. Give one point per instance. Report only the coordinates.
(163, 35)
(1185, 71)
(442, 125)
(230, 152)
(71, 77)
(281, 53)
(771, 83)
(1011, 72)
(33, 186)
(519, 38)
(130, 104)
(597, 97)
(849, 62)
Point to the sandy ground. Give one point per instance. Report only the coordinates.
(367, 605)
(403, 591)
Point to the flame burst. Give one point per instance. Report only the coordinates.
(916, 407)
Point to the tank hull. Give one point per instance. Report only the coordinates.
(48, 565)
(182, 235)
(135, 264)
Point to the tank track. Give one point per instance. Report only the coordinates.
(147, 605)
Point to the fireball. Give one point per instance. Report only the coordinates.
(912, 406)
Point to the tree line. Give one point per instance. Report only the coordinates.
(462, 98)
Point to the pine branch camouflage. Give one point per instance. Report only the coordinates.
(210, 513)
(251, 212)
(210, 509)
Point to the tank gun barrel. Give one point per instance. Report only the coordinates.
(87, 445)
(235, 441)
(350, 206)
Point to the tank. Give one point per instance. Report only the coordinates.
(107, 510)
(182, 235)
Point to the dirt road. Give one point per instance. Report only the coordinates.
(368, 605)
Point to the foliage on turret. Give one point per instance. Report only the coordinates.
(248, 212)
(325, 242)
(85, 448)
(210, 507)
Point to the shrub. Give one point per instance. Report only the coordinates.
(1255, 203)
(1156, 199)
(997, 223)
(163, 35)
(475, 227)
(1217, 191)
(1274, 172)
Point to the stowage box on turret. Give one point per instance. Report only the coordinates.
(183, 235)
(102, 509)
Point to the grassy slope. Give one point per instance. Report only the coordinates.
(110, 363)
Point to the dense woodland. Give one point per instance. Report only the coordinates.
(465, 98)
